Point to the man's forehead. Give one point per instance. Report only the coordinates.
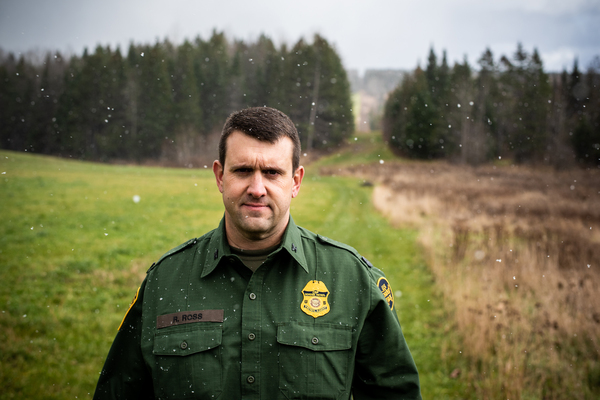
(242, 148)
(237, 135)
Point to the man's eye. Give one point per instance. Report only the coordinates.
(271, 172)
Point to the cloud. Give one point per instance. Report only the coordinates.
(548, 7)
(373, 34)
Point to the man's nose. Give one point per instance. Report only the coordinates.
(257, 187)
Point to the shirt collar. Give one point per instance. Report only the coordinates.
(218, 247)
(292, 243)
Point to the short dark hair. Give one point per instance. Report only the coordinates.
(263, 123)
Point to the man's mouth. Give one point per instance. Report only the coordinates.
(255, 206)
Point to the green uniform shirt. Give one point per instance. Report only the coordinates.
(313, 322)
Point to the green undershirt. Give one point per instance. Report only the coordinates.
(253, 258)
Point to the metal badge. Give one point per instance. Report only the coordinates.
(314, 299)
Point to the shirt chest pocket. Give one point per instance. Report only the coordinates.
(188, 362)
(314, 360)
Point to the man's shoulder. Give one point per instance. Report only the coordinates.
(199, 241)
(325, 243)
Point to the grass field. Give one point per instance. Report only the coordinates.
(74, 247)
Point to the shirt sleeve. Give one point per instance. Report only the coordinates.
(384, 366)
(125, 375)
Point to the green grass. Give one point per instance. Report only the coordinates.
(74, 246)
(361, 149)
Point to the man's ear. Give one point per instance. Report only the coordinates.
(218, 171)
(298, 175)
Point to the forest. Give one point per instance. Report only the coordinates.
(508, 109)
(165, 102)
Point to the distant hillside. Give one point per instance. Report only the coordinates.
(370, 92)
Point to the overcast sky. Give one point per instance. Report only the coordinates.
(394, 34)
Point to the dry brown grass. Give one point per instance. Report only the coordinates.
(516, 251)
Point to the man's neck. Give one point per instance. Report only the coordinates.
(253, 258)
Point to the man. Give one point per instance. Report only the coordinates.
(260, 308)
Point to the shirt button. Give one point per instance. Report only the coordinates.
(252, 296)
(183, 345)
(252, 336)
(315, 340)
(250, 379)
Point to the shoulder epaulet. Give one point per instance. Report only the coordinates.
(351, 249)
(173, 251)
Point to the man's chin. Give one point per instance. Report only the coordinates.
(256, 226)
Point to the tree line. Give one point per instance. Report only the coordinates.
(510, 108)
(168, 102)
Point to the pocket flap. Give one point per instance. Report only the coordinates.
(316, 337)
(187, 342)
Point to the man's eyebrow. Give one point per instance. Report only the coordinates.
(241, 165)
(276, 168)
(273, 168)
(236, 166)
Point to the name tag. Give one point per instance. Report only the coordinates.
(188, 317)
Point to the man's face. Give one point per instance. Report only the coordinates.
(258, 184)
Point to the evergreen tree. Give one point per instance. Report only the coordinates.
(527, 92)
(44, 133)
(318, 93)
(486, 105)
(132, 94)
(186, 98)
(154, 104)
(431, 71)
(113, 140)
(536, 102)
(408, 119)
(262, 71)
(585, 121)
(439, 84)
(268, 73)
(82, 113)
(10, 104)
(593, 106)
(24, 95)
(5, 107)
(331, 108)
(300, 72)
(559, 146)
(464, 135)
(214, 80)
(575, 91)
(239, 66)
(443, 79)
(64, 142)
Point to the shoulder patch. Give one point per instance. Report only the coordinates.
(386, 289)
(130, 307)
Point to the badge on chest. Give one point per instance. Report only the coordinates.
(314, 299)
